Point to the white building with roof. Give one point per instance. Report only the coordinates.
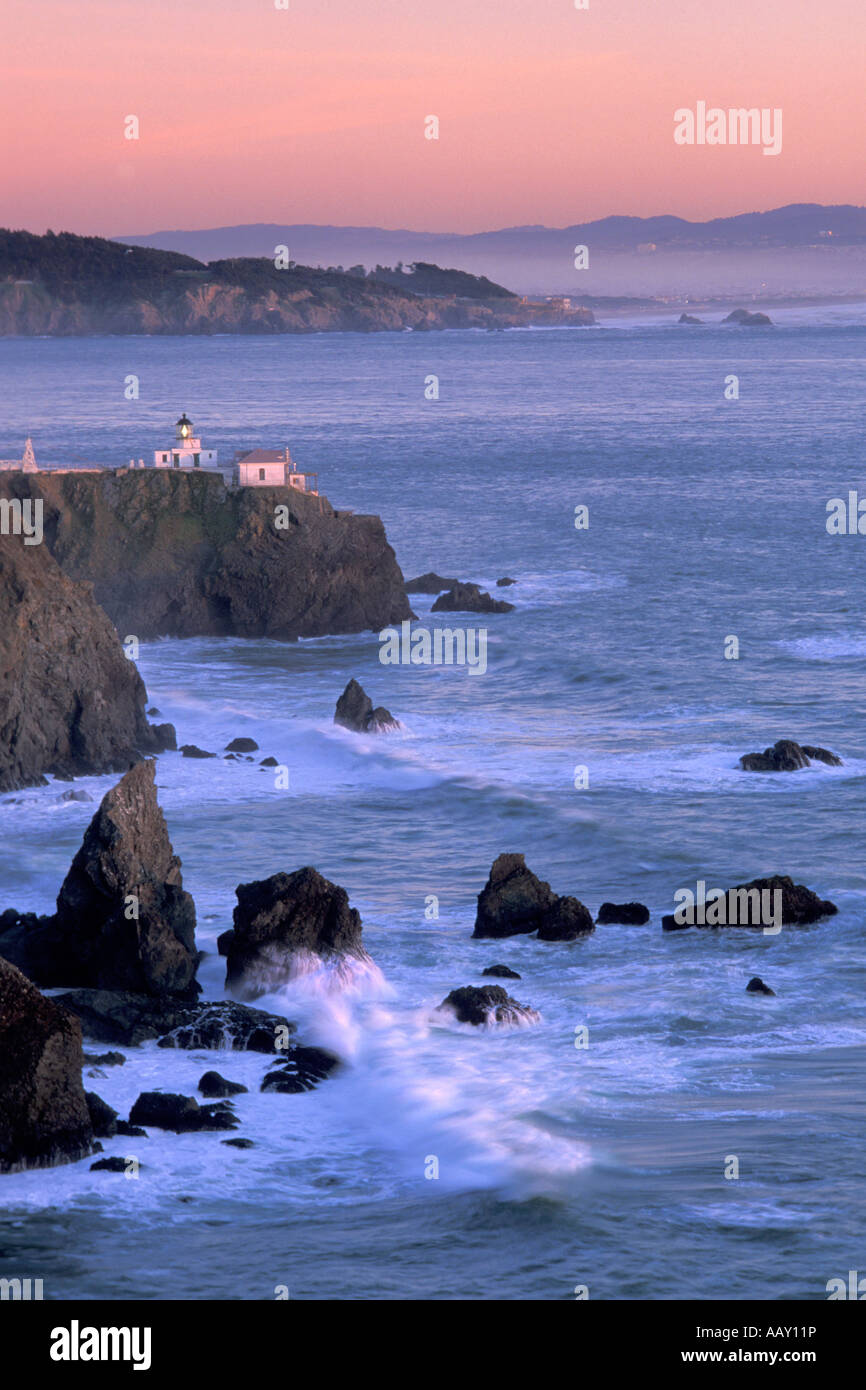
(271, 468)
(186, 451)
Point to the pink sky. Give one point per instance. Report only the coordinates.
(316, 114)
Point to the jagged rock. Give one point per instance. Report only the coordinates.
(800, 906)
(748, 319)
(501, 972)
(515, 902)
(301, 1070)
(215, 1086)
(224, 941)
(242, 745)
(626, 914)
(130, 1131)
(487, 1004)
(44, 1118)
(505, 582)
(468, 598)
(756, 986)
(429, 583)
(355, 711)
(283, 920)
(230, 1026)
(114, 1164)
(71, 704)
(78, 794)
(102, 1117)
(125, 863)
(191, 750)
(116, 1016)
(269, 762)
(688, 318)
(180, 1114)
(787, 756)
(104, 1059)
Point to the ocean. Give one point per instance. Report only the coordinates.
(560, 1167)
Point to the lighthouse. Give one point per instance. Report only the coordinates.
(186, 451)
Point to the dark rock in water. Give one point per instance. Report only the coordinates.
(626, 914)
(355, 711)
(166, 735)
(429, 583)
(268, 762)
(504, 582)
(283, 920)
(688, 318)
(191, 750)
(230, 1026)
(102, 1117)
(756, 986)
(154, 713)
(117, 1016)
(501, 972)
(301, 1070)
(224, 941)
(242, 745)
(744, 906)
(71, 704)
(114, 1164)
(104, 1059)
(748, 319)
(180, 1114)
(487, 1004)
(123, 920)
(239, 1143)
(213, 1085)
(44, 1118)
(514, 902)
(787, 756)
(468, 598)
(78, 794)
(130, 1131)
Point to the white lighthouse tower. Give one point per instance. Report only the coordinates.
(186, 451)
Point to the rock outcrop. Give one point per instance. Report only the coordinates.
(123, 919)
(689, 319)
(501, 972)
(301, 1070)
(180, 1114)
(752, 906)
(355, 711)
(756, 986)
(515, 902)
(788, 756)
(468, 598)
(285, 924)
(747, 319)
(626, 914)
(115, 1016)
(71, 704)
(487, 1005)
(429, 583)
(44, 1119)
(177, 554)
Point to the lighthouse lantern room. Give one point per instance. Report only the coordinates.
(186, 451)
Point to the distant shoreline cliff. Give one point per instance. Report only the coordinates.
(67, 285)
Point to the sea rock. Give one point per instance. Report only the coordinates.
(215, 1086)
(104, 1059)
(501, 972)
(301, 1070)
(487, 1004)
(355, 711)
(180, 1114)
(430, 583)
(787, 756)
(76, 794)
(748, 319)
(125, 865)
(756, 986)
(514, 902)
(117, 1016)
(285, 922)
(504, 582)
(688, 318)
(102, 1117)
(229, 1026)
(242, 745)
(800, 906)
(44, 1119)
(130, 1131)
(269, 762)
(191, 750)
(113, 1164)
(71, 704)
(239, 1143)
(468, 598)
(224, 941)
(627, 914)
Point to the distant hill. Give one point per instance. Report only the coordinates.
(66, 284)
(785, 249)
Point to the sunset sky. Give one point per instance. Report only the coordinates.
(547, 114)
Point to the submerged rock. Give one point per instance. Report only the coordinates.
(788, 756)
(281, 922)
(626, 914)
(688, 318)
(180, 1114)
(114, 1164)
(756, 986)
(192, 750)
(123, 919)
(501, 972)
(239, 1143)
(469, 598)
(215, 1086)
(227, 1025)
(486, 1005)
(242, 745)
(505, 582)
(104, 1059)
(514, 902)
(355, 711)
(301, 1070)
(44, 1119)
(429, 583)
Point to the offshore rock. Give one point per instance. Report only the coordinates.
(488, 1004)
(515, 902)
(355, 711)
(468, 598)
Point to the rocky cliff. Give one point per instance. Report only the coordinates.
(173, 553)
(70, 701)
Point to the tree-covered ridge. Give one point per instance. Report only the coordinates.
(431, 281)
(67, 265)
